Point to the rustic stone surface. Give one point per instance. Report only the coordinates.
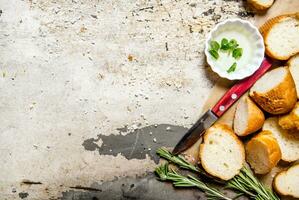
(76, 70)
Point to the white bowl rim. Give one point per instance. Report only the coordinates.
(252, 69)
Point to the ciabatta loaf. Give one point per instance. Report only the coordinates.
(287, 182)
(260, 5)
(291, 120)
(263, 152)
(293, 64)
(248, 117)
(287, 141)
(221, 154)
(281, 36)
(275, 92)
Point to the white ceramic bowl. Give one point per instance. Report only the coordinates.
(237, 26)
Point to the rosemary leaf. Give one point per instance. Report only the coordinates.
(179, 160)
(179, 180)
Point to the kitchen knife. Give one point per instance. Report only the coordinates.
(212, 115)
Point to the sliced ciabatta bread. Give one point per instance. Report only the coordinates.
(263, 152)
(260, 5)
(287, 182)
(293, 64)
(275, 92)
(221, 154)
(281, 36)
(288, 142)
(291, 120)
(248, 117)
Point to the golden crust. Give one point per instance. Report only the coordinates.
(292, 65)
(266, 141)
(228, 130)
(265, 30)
(285, 137)
(275, 184)
(291, 120)
(256, 117)
(280, 99)
(256, 5)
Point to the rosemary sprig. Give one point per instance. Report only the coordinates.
(184, 164)
(244, 182)
(179, 180)
(250, 185)
(178, 160)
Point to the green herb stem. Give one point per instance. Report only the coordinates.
(188, 181)
(182, 163)
(250, 185)
(178, 160)
(245, 182)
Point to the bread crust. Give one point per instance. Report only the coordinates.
(256, 5)
(282, 173)
(273, 121)
(265, 30)
(256, 118)
(227, 129)
(291, 65)
(266, 139)
(291, 120)
(280, 99)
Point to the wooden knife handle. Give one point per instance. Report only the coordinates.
(233, 94)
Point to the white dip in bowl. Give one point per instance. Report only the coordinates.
(248, 38)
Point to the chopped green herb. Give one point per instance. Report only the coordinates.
(214, 45)
(233, 44)
(232, 68)
(237, 53)
(224, 44)
(229, 46)
(214, 53)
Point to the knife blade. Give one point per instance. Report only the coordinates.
(196, 131)
(225, 102)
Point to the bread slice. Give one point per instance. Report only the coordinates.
(293, 64)
(275, 92)
(260, 5)
(248, 117)
(281, 36)
(263, 152)
(287, 182)
(288, 142)
(221, 154)
(291, 120)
